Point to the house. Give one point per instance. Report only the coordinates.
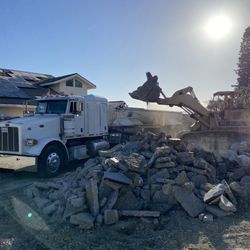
(20, 89)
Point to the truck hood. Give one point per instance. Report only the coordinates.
(32, 120)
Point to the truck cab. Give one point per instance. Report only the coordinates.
(64, 128)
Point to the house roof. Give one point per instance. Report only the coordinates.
(23, 85)
(11, 90)
(54, 80)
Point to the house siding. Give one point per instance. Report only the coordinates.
(13, 111)
(62, 88)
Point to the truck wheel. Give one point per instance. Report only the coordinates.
(50, 161)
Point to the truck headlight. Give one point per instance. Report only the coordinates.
(31, 142)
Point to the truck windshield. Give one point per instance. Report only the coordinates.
(52, 107)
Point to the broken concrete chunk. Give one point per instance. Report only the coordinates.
(197, 170)
(54, 185)
(226, 204)
(140, 213)
(163, 159)
(92, 197)
(181, 178)
(217, 211)
(214, 193)
(41, 185)
(214, 201)
(103, 201)
(238, 174)
(112, 184)
(56, 195)
(236, 188)
(167, 189)
(198, 180)
(185, 157)
(111, 200)
(191, 203)
(147, 154)
(145, 194)
(41, 202)
(164, 165)
(159, 197)
(110, 152)
(229, 155)
(116, 162)
(244, 161)
(90, 163)
(229, 192)
(73, 206)
(207, 186)
(151, 161)
(189, 186)
(84, 220)
(117, 177)
(162, 151)
(245, 182)
(163, 173)
(206, 217)
(111, 216)
(99, 220)
(127, 200)
(77, 201)
(50, 209)
(136, 162)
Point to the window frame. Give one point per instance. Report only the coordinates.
(77, 81)
(70, 80)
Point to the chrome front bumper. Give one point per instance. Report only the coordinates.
(15, 162)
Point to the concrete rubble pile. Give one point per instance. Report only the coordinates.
(147, 178)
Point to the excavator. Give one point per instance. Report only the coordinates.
(213, 130)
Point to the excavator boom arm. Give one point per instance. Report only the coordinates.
(184, 98)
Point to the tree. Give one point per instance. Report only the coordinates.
(244, 61)
(242, 87)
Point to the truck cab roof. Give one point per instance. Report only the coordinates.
(73, 98)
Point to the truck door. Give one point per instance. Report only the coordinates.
(77, 109)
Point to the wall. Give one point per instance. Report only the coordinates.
(170, 122)
(14, 111)
(61, 87)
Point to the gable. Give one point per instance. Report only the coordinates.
(76, 80)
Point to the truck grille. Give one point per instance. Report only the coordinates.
(9, 139)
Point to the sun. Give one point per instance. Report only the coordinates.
(218, 26)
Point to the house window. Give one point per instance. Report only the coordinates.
(78, 84)
(69, 83)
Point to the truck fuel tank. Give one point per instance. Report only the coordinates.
(94, 146)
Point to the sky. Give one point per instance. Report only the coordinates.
(113, 43)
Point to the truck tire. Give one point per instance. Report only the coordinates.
(50, 161)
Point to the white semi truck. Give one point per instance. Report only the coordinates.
(64, 128)
(67, 128)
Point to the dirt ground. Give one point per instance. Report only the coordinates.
(23, 227)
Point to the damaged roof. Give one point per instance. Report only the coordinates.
(23, 85)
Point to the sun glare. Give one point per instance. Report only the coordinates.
(218, 26)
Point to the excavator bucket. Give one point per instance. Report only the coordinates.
(149, 91)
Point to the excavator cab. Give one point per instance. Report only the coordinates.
(229, 112)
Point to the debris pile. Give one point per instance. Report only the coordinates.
(147, 178)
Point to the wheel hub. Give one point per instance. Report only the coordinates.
(53, 162)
